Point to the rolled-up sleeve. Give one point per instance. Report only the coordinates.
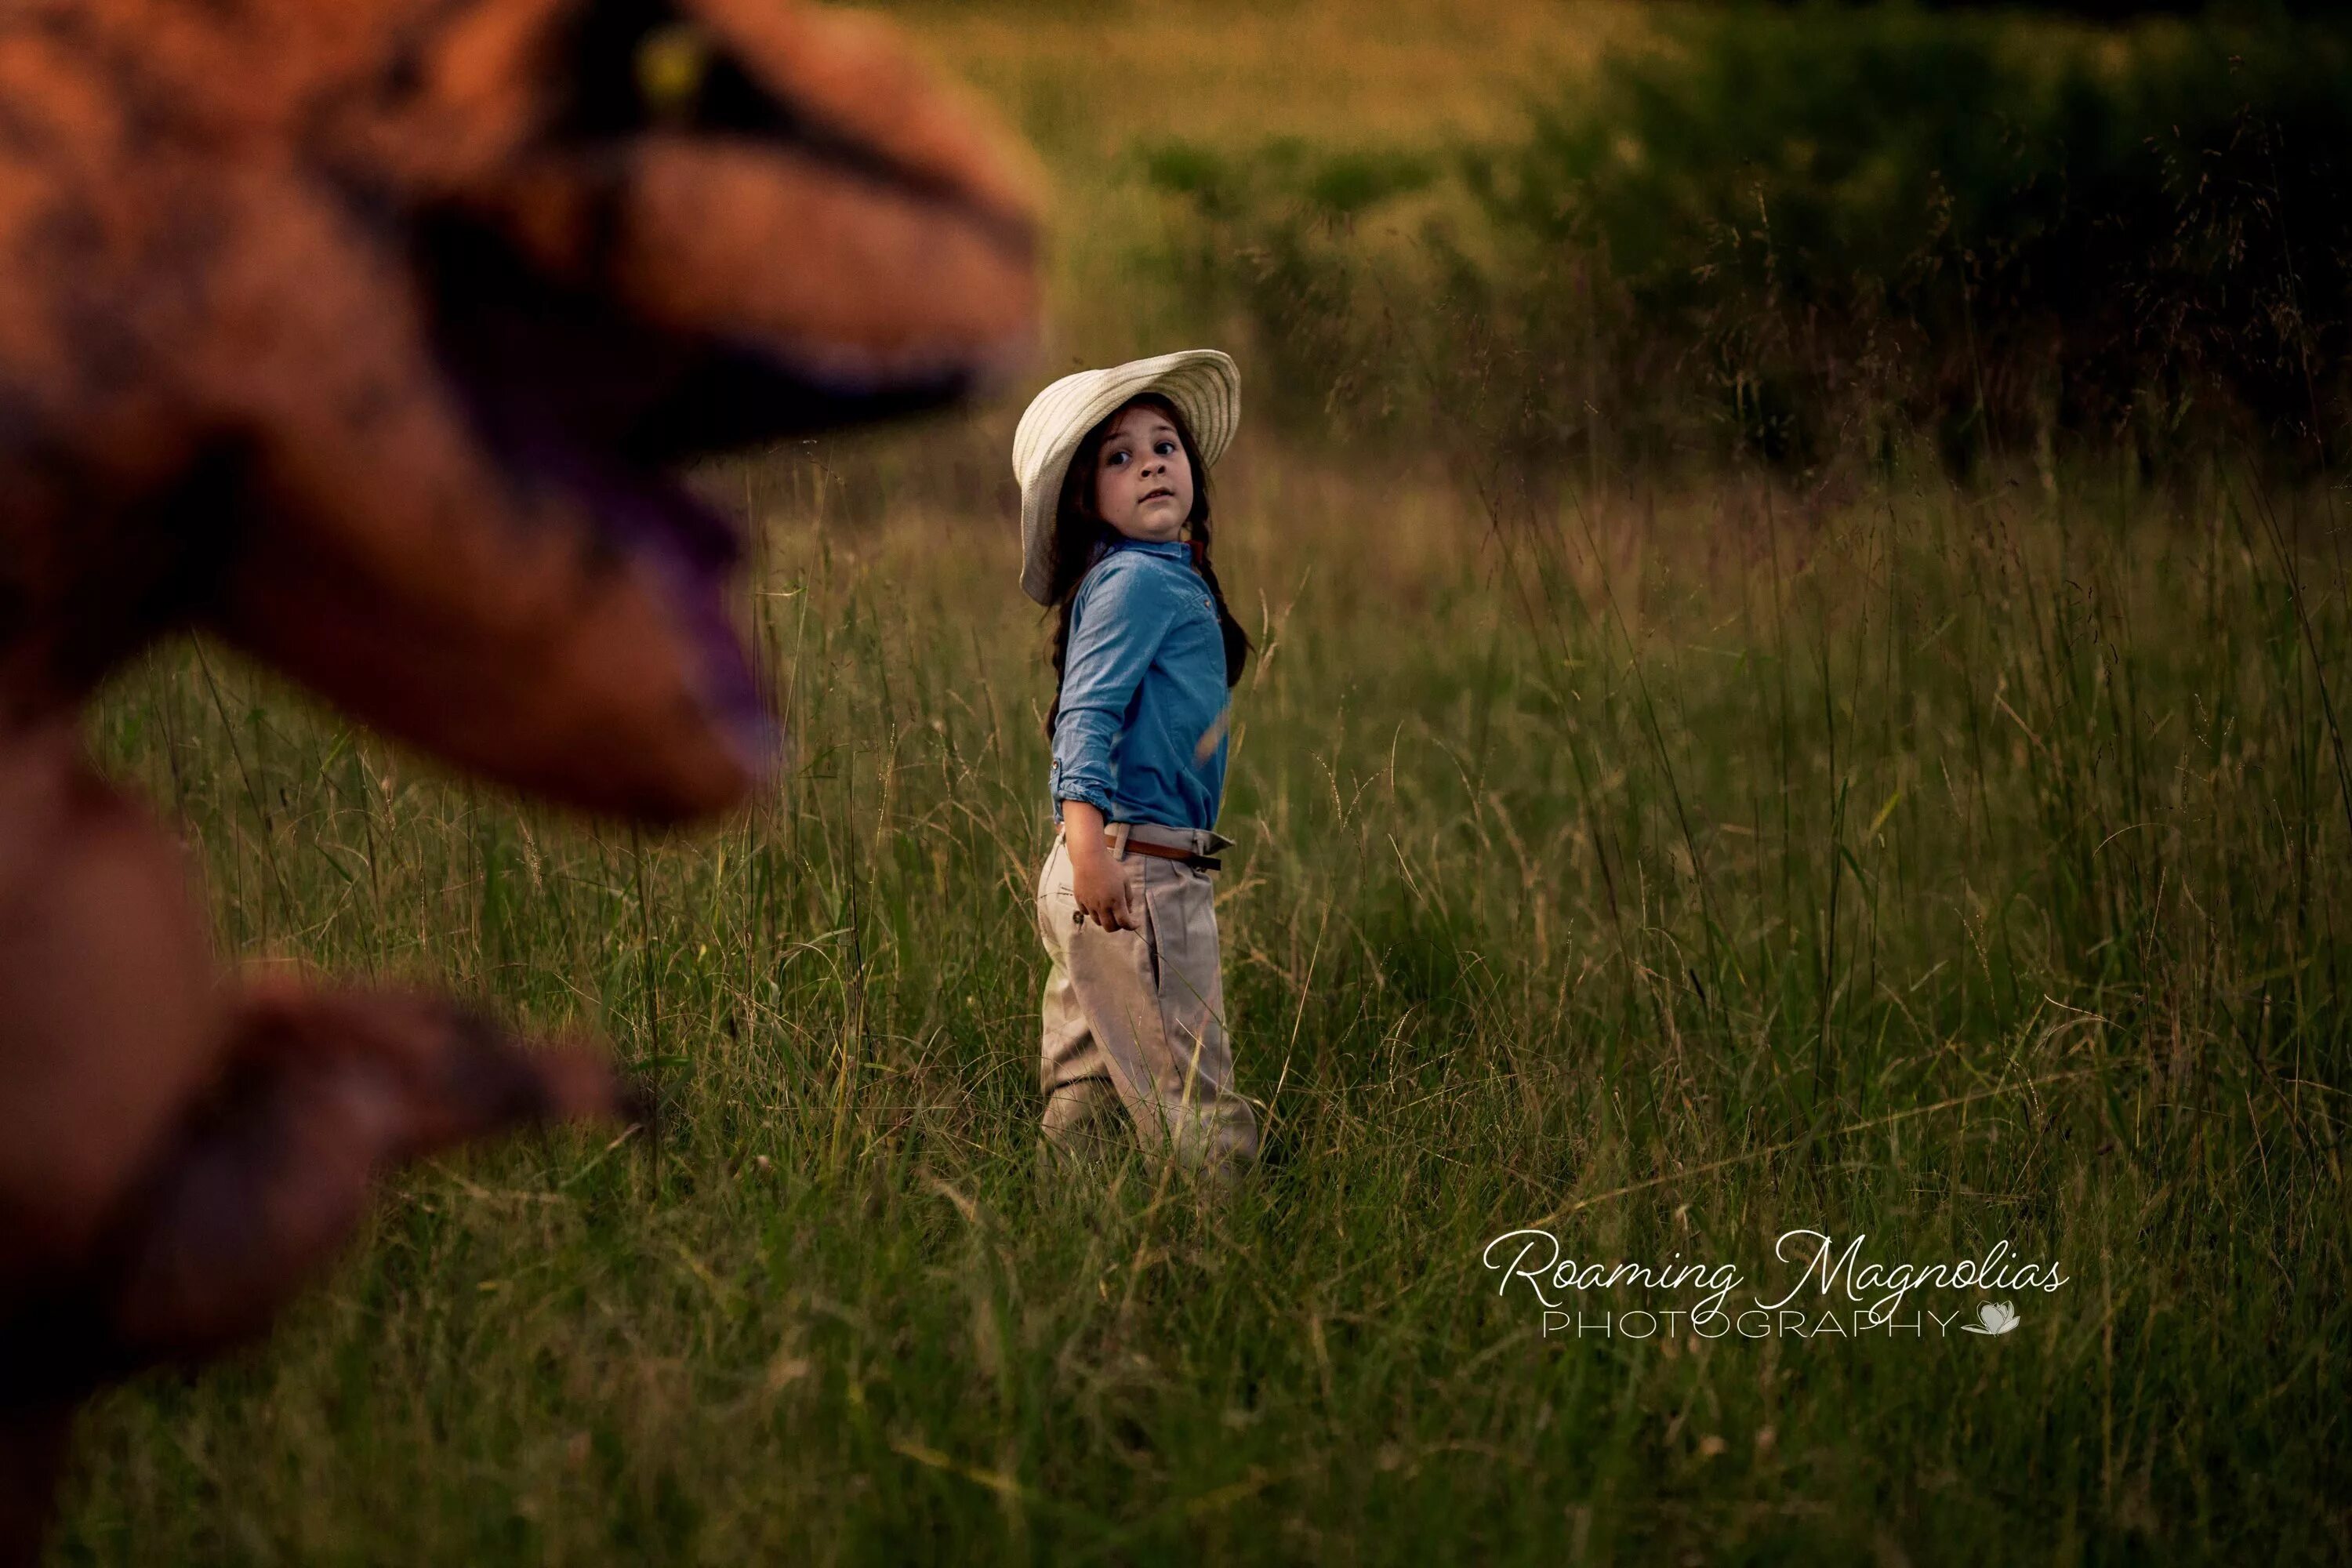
(1116, 627)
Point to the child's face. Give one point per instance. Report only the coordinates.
(1143, 483)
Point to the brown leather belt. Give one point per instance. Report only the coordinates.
(1167, 852)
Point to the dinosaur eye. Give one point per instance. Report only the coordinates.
(636, 65)
(670, 66)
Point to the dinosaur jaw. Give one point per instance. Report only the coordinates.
(577, 402)
(688, 553)
(613, 449)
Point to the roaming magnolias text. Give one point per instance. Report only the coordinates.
(1834, 1290)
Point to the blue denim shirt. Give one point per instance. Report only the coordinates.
(1141, 733)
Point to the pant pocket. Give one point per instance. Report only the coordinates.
(1043, 902)
(1150, 931)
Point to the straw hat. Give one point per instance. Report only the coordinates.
(1203, 385)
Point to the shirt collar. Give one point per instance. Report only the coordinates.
(1173, 549)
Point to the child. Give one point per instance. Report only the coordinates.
(1114, 470)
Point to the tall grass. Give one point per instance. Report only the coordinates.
(1671, 869)
(1096, 92)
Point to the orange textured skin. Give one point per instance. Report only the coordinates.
(357, 333)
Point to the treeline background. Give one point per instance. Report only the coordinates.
(1634, 236)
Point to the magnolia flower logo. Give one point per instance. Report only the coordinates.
(1993, 1318)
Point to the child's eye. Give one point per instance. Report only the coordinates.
(1165, 448)
(1114, 460)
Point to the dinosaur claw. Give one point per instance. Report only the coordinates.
(265, 1179)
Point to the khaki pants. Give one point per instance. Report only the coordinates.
(1137, 1017)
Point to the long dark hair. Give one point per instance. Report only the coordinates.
(1080, 536)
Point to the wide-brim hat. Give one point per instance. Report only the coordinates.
(1205, 386)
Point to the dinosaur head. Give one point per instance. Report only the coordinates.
(629, 231)
(680, 225)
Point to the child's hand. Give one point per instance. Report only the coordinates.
(1099, 885)
(1096, 881)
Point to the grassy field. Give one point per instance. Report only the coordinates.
(1943, 869)
(1667, 868)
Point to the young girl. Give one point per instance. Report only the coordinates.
(1114, 470)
